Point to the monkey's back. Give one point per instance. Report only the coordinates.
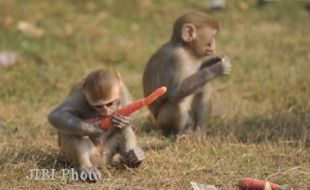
(161, 70)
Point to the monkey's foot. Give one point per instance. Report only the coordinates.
(116, 160)
(134, 157)
(188, 130)
(90, 174)
(180, 137)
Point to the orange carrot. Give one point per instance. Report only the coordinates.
(129, 109)
(255, 184)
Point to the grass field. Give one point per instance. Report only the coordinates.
(261, 112)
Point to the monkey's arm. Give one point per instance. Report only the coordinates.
(210, 62)
(69, 124)
(65, 120)
(195, 81)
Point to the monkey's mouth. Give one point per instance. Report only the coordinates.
(104, 115)
(210, 52)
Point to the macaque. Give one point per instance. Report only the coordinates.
(181, 66)
(88, 145)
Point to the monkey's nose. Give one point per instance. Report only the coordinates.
(103, 112)
(108, 112)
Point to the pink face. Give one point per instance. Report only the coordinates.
(105, 107)
(204, 44)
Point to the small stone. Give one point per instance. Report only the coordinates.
(30, 29)
(215, 5)
(198, 186)
(7, 58)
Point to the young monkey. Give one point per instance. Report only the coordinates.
(88, 145)
(181, 66)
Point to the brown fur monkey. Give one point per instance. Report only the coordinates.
(181, 66)
(88, 145)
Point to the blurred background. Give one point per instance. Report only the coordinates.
(48, 46)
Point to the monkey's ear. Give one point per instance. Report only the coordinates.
(188, 32)
(83, 82)
(119, 76)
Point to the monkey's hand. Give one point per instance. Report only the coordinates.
(120, 121)
(134, 157)
(90, 174)
(222, 67)
(226, 65)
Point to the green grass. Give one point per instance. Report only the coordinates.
(261, 112)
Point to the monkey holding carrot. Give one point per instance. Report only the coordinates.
(88, 145)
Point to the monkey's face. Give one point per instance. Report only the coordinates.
(106, 105)
(106, 108)
(204, 44)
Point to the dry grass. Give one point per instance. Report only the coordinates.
(262, 112)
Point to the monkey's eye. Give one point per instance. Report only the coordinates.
(113, 103)
(110, 104)
(98, 106)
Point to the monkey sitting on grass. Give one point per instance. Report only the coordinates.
(182, 65)
(88, 145)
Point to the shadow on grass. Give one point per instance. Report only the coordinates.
(256, 129)
(42, 158)
(21, 156)
(58, 162)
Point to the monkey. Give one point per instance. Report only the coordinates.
(182, 66)
(307, 5)
(87, 145)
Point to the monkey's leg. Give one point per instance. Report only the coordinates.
(131, 153)
(79, 150)
(176, 118)
(202, 108)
